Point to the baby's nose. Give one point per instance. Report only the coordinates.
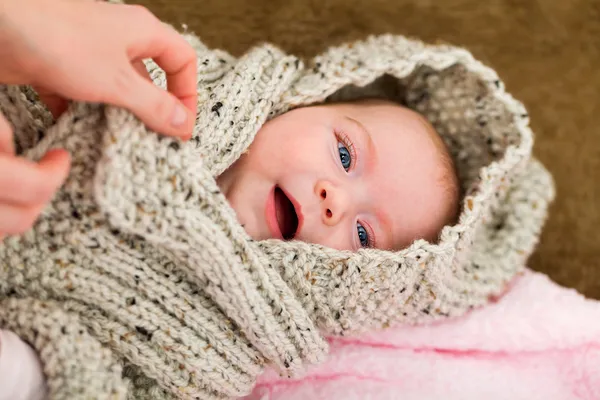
(333, 202)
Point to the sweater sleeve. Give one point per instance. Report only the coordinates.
(21, 374)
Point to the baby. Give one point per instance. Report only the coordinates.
(369, 173)
(349, 175)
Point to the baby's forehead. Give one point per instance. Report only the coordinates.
(402, 120)
(366, 102)
(395, 115)
(385, 108)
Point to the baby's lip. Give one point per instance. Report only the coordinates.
(297, 208)
(271, 213)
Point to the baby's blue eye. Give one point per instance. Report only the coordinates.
(345, 157)
(363, 236)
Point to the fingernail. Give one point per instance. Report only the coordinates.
(179, 116)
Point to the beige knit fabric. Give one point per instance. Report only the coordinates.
(139, 282)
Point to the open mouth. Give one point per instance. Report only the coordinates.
(285, 212)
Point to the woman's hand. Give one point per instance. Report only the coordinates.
(25, 186)
(87, 51)
(93, 51)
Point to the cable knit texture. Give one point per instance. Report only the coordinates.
(138, 281)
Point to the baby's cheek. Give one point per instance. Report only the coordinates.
(333, 237)
(283, 156)
(247, 218)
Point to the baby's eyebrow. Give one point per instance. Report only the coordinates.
(387, 226)
(368, 143)
(382, 217)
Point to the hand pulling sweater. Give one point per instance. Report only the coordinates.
(138, 282)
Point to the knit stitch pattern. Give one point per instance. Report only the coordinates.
(156, 288)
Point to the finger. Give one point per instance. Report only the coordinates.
(159, 41)
(6, 136)
(157, 108)
(178, 60)
(29, 183)
(55, 103)
(15, 219)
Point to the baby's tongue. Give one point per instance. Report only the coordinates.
(286, 215)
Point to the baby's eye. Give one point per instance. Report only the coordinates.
(363, 235)
(345, 156)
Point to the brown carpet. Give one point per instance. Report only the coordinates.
(547, 52)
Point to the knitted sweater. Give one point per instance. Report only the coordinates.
(138, 281)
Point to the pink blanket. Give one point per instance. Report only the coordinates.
(539, 341)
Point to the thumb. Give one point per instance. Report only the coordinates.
(157, 108)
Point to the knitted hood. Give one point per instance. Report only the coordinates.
(506, 191)
(142, 250)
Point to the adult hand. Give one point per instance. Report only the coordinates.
(25, 186)
(86, 51)
(93, 51)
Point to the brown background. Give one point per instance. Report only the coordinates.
(546, 51)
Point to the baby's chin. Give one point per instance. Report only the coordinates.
(249, 221)
(254, 232)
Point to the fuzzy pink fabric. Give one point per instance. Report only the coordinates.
(539, 341)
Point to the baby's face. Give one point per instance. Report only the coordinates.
(346, 176)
